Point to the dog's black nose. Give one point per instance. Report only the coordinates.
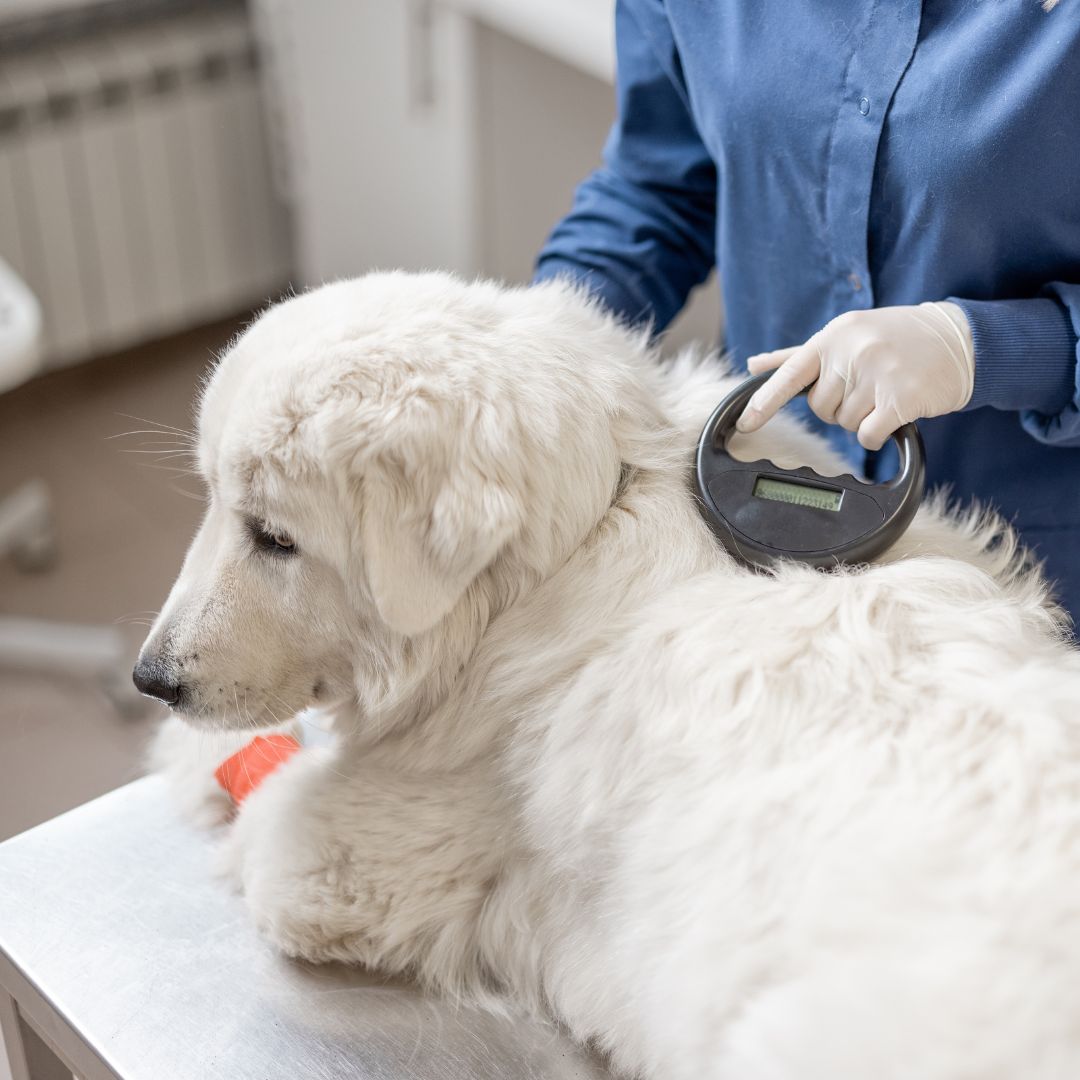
(150, 679)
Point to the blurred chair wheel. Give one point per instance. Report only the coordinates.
(26, 527)
(37, 555)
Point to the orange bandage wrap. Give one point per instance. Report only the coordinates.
(242, 773)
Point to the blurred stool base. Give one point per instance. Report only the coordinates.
(98, 652)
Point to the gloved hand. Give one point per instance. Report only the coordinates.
(875, 370)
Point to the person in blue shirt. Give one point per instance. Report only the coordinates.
(916, 164)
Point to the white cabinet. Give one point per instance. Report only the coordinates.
(376, 104)
(444, 134)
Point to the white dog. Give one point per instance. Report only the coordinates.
(722, 823)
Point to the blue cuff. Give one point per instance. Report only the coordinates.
(629, 306)
(1025, 354)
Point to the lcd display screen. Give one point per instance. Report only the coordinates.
(768, 487)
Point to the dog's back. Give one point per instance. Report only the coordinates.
(822, 825)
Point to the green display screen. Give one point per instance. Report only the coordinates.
(766, 487)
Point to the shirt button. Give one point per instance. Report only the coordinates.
(864, 105)
(854, 281)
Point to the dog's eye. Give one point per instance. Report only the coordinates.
(271, 540)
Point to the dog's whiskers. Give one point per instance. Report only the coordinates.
(170, 468)
(160, 436)
(157, 425)
(162, 453)
(198, 496)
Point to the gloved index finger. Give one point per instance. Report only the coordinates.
(795, 374)
(767, 361)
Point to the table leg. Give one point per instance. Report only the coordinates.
(11, 1034)
(28, 1058)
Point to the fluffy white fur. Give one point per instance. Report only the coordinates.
(723, 824)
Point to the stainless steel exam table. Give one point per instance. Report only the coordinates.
(122, 957)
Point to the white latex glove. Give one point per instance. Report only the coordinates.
(874, 370)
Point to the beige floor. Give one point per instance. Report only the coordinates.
(123, 524)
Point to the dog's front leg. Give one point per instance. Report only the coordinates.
(359, 863)
(186, 757)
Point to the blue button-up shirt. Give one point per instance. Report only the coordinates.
(836, 154)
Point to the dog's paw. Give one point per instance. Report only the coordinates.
(187, 758)
(305, 921)
(204, 805)
(298, 878)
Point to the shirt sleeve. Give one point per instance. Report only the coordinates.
(1027, 359)
(641, 231)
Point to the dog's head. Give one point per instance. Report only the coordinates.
(382, 455)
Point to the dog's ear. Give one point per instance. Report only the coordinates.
(437, 509)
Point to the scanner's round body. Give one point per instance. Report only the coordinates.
(762, 513)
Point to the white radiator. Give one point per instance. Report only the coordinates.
(136, 195)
